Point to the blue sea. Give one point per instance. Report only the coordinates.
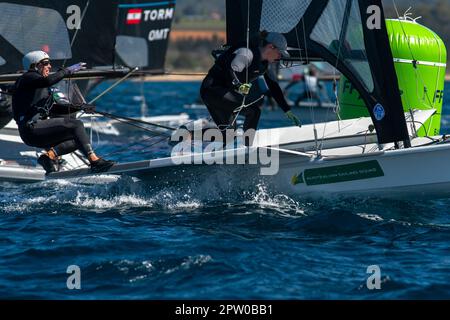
(133, 240)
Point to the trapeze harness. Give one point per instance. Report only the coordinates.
(219, 89)
(35, 104)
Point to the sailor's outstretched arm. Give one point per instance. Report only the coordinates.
(277, 93)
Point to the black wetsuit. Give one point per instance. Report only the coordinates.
(31, 101)
(220, 95)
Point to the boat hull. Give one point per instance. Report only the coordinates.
(406, 173)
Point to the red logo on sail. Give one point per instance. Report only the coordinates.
(134, 16)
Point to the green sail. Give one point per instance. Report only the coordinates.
(420, 58)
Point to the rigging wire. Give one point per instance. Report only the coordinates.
(128, 147)
(308, 91)
(341, 39)
(238, 110)
(133, 121)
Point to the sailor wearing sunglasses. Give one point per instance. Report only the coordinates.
(32, 101)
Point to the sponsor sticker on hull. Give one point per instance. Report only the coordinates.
(341, 173)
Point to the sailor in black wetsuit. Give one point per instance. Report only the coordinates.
(231, 77)
(32, 104)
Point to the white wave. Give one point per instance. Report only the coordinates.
(190, 262)
(148, 265)
(368, 216)
(14, 208)
(281, 203)
(197, 260)
(138, 278)
(41, 200)
(25, 205)
(185, 205)
(176, 200)
(87, 201)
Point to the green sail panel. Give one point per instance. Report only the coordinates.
(420, 59)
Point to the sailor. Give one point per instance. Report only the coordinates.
(227, 90)
(312, 87)
(32, 103)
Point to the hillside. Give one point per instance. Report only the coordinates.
(199, 27)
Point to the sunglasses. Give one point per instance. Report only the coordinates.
(45, 63)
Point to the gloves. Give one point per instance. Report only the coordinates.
(76, 67)
(244, 88)
(291, 116)
(88, 108)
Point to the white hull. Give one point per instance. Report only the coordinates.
(18, 161)
(414, 172)
(404, 173)
(349, 150)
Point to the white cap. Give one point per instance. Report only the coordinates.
(279, 41)
(33, 57)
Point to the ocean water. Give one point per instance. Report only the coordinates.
(136, 240)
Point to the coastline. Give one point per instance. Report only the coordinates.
(195, 76)
(174, 77)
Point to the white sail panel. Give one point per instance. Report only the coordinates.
(282, 15)
(345, 37)
(328, 29)
(133, 50)
(31, 28)
(355, 40)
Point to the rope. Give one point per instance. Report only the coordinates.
(239, 109)
(308, 92)
(248, 39)
(243, 105)
(131, 120)
(127, 148)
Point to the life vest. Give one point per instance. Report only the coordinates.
(221, 71)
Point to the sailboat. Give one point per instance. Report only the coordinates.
(136, 38)
(64, 30)
(381, 155)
